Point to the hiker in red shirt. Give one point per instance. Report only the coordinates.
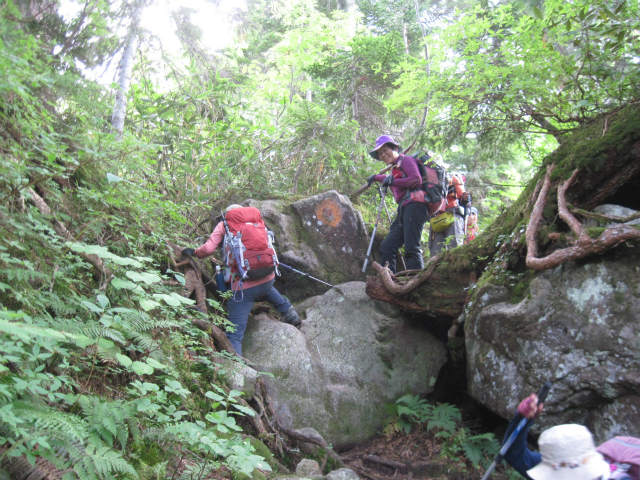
(472, 225)
(246, 291)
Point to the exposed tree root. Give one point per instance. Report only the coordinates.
(219, 337)
(441, 300)
(194, 280)
(384, 287)
(583, 244)
(377, 290)
(402, 289)
(105, 274)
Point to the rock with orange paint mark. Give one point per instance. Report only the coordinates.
(337, 232)
(323, 236)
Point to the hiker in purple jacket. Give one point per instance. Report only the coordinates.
(404, 181)
(567, 451)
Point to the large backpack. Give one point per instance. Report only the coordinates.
(434, 181)
(248, 245)
(625, 453)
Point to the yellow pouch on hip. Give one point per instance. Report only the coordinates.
(441, 222)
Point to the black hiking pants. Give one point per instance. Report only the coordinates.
(406, 230)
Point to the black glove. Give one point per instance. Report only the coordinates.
(465, 199)
(188, 252)
(370, 180)
(388, 181)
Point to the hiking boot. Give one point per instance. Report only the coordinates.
(292, 318)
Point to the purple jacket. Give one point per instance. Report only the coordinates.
(406, 179)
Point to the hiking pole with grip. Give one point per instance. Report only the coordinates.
(284, 265)
(542, 395)
(383, 193)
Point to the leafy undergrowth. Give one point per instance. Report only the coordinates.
(418, 455)
(426, 441)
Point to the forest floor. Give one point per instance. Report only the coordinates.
(417, 455)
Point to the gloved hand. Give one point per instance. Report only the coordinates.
(370, 180)
(188, 252)
(388, 181)
(465, 199)
(529, 407)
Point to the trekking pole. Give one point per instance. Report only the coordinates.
(383, 193)
(386, 210)
(304, 274)
(542, 394)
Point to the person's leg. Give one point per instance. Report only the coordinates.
(392, 242)
(238, 309)
(278, 300)
(434, 247)
(458, 231)
(449, 236)
(283, 305)
(414, 215)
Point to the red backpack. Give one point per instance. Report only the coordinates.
(248, 245)
(434, 181)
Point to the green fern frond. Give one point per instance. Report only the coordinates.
(444, 417)
(46, 419)
(98, 331)
(107, 418)
(145, 342)
(477, 447)
(23, 276)
(102, 462)
(60, 436)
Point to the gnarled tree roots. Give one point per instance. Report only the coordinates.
(582, 244)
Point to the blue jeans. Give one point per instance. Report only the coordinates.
(240, 305)
(406, 230)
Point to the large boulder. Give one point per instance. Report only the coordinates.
(351, 356)
(322, 236)
(578, 326)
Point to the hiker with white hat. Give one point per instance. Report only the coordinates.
(567, 452)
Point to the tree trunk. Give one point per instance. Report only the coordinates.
(124, 70)
(599, 163)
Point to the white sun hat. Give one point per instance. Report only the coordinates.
(568, 453)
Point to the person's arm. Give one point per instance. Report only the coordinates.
(412, 172)
(214, 240)
(519, 456)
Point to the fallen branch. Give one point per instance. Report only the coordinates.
(584, 245)
(377, 461)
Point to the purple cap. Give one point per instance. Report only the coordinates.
(383, 140)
